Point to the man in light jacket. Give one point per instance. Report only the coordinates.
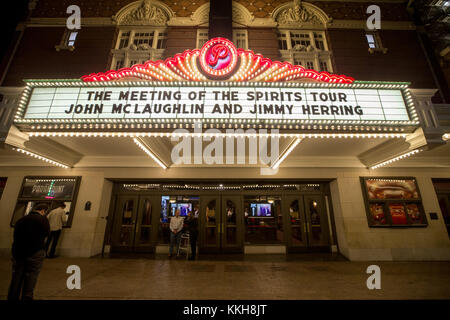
(56, 218)
(176, 225)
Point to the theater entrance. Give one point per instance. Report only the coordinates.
(248, 217)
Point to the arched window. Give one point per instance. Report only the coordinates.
(302, 35)
(142, 33)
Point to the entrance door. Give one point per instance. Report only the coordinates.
(308, 228)
(135, 223)
(221, 224)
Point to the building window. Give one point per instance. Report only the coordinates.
(323, 66)
(136, 46)
(240, 39)
(298, 38)
(371, 40)
(393, 202)
(374, 42)
(306, 48)
(67, 41)
(202, 37)
(282, 41)
(319, 41)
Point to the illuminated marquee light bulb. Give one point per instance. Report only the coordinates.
(402, 156)
(37, 156)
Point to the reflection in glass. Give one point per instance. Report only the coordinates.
(125, 235)
(145, 235)
(296, 222)
(146, 221)
(127, 221)
(210, 235)
(263, 219)
(231, 212)
(147, 213)
(316, 229)
(127, 212)
(211, 231)
(211, 213)
(231, 235)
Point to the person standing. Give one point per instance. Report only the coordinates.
(28, 252)
(176, 226)
(192, 224)
(56, 218)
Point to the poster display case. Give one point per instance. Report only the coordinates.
(49, 190)
(393, 202)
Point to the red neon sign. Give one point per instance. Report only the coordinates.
(218, 59)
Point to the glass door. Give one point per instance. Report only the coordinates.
(297, 236)
(209, 239)
(317, 221)
(134, 223)
(221, 224)
(124, 224)
(307, 223)
(146, 224)
(231, 230)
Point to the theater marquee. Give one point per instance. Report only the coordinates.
(227, 101)
(218, 84)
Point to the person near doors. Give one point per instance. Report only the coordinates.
(176, 226)
(28, 252)
(192, 225)
(56, 218)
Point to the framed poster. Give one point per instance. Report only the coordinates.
(53, 191)
(393, 202)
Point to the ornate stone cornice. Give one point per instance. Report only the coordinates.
(300, 14)
(144, 12)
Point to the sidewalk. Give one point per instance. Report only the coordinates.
(255, 279)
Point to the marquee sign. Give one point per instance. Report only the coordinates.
(217, 84)
(226, 102)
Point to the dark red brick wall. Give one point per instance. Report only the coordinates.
(265, 42)
(37, 58)
(404, 60)
(180, 39)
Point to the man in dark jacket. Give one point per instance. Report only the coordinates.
(192, 224)
(28, 252)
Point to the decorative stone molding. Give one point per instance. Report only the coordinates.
(144, 12)
(241, 17)
(201, 15)
(298, 14)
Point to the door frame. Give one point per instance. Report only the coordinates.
(133, 245)
(306, 227)
(221, 223)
